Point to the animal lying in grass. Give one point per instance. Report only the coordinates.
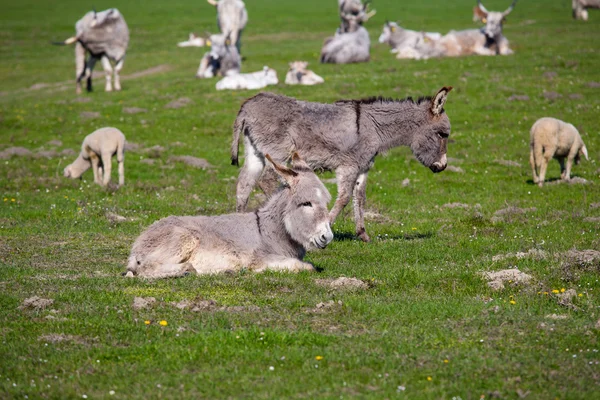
(253, 80)
(193, 41)
(298, 74)
(405, 41)
(97, 151)
(223, 58)
(346, 47)
(553, 138)
(343, 137)
(274, 237)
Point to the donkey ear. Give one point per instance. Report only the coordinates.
(286, 173)
(437, 105)
(299, 164)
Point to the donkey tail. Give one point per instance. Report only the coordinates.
(238, 127)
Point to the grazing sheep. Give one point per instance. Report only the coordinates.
(274, 237)
(299, 75)
(96, 151)
(553, 138)
(253, 80)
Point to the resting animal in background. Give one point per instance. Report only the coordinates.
(580, 8)
(96, 151)
(553, 138)
(343, 137)
(405, 42)
(223, 58)
(347, 48)
(105, 36)
(193, 41)
(232, 18)
(274, 237)
(299, 75)
(253, 80)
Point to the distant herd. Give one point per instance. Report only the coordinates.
(344, 137)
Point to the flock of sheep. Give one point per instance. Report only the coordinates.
(343, 137)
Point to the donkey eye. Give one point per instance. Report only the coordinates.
(305, 204)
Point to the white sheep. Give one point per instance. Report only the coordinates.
(97, 150)
(553, 138)
(252, 80)
(298, 74)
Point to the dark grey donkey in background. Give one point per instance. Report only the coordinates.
(105, 36)
(343, 137)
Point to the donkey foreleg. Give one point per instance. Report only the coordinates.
(360, 199)
(346, 179)
(283, 264)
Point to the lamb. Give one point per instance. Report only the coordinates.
(405, 42)
(553, 138)
(223, 58)
(580, 8)
(96, 151)
(193, 41)
(275, 237)
(254, 80)
(299, 75)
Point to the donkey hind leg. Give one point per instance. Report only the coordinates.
(283, 264)
(249, 174)
(118, 69)
(346, 179)
(171, 257)
(360, 199)
(108, 71)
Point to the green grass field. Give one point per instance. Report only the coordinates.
(427, 326)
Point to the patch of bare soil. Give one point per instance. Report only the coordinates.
(115, 218)
(130, 146)
(551, 95)
(573, 181)
(343, 283)
(154, 151)
(591, 219)
(134, 110)
(557, 316)
(507, 163)
(179, 103)
(36, 303)
(496, 280)
(549, 75)
(192, 161)
(55, 142)
(595, 205)
(566, 298)
(68, 152)
(405, 182)
(140, 303)
(518, 97)
(200, 305)
(593, 84)
(576, 261)
(14, 151)
(455, 205)
(531, 253)
(508, 211)
(46, 154)
(453, 168)
(62, 338)
(146, 72)
(327, 306)
(576, 96)
(89, 114)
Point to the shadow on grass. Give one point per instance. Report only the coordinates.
(548, 180)
(346, 236)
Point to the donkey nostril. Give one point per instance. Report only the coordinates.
(324, 238)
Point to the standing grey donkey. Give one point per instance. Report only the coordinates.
(105, 36)
(274, 237)
(343, 137)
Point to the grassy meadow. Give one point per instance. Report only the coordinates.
(427, 325)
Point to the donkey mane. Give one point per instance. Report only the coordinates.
(385, 100)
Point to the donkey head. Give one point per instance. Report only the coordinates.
(305, 216)
(430, 142)
(493, 20)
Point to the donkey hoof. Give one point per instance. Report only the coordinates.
(363, 236)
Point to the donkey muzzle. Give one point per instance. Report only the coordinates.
(324, 239)
(439, 166)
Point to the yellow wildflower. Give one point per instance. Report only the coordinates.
(513, 302)
(414, 229)
(446, 361)
(580, 295)
(147, 322)
(545, 293)
(13, 200)
(163, 323)
(318, 358)
(562, 290)
(429, 378)
(555, 291)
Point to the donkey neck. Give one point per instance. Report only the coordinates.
(393, 123)
(274, 237)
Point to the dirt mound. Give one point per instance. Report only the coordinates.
(514, 211)
(55, 143)
(130, 146)
(68, 152)
(593, 84)
(134, 110)
(496, 280)
(89, 114)
(326, 306)
(531, 253)
(455, 205)
(342, 283)
(592, 219)
(15, 151)
(200, 305)
(192, 161)
(36, 303)
(573, 181)
(115, 218)
(552, 95)
(140, 303)
(46, 154)
(179, 103)
(518, 97)
(154, 151)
